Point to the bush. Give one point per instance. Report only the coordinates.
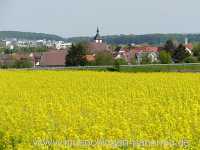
(116, 65)
(23, 64)
(121, 61)
(91, 63)
(191, 59)
(2, 66)
(165, 57)
(104, 58)
(113, 69)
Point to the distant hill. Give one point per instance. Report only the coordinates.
(155, 39)
(28, 35)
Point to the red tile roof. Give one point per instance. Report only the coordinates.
(189, 46)
(146, 49)
(90, 58)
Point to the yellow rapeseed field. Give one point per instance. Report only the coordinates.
(99, 110)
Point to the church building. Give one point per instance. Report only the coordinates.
(97, 44)
(97, 37)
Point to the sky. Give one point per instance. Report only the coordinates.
(69, 18)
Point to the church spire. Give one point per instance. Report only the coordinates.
(97, 37)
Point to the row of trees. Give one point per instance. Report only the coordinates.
(154, 39)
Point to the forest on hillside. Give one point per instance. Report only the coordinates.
(28, 36)
(154, 39)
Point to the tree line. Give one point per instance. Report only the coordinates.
(153, 39)
(29, 36)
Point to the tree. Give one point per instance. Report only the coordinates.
(196, 51)
(8, 51)
(104, 58)
(133, 60)
(118, 63)
(165, 57)
(117, 49)
(170, 46)
(76, 55)
(180, 54)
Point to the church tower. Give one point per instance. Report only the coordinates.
(97, 38)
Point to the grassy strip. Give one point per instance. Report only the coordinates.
(190, 68)
(149, 68)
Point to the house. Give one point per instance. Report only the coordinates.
(62, 45)
(10, 44)
(188, 46)
(24, 56)
(10, 59)
(53, 58)
(126, 54)
(36, 56)
(138, 51)
(152, 52)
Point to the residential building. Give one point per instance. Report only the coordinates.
(53, 58)
(126, 54)
(188, 46)
(152, 52)
(62, 45)
(138, 52)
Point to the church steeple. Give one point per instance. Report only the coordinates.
(97, 37)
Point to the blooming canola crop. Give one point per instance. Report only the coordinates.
(61, 109)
